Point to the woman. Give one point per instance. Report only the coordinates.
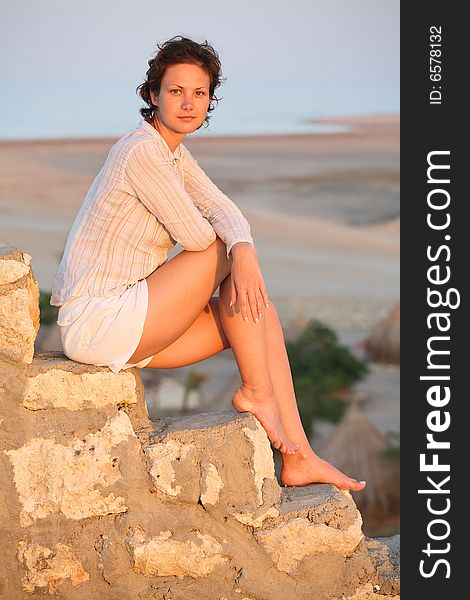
(123, 304)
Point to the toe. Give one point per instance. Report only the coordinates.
(357, 485)
(293, 447)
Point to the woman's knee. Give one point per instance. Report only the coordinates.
(218, 246)
(219, 250)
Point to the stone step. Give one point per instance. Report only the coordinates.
(312, 520)
(52, 381)
(222, 461)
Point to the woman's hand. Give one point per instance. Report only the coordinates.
(247, 281)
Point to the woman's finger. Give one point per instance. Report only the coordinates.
(253, 305)
(264, 293)
(259, 304)
(243, 304)
(233, 294)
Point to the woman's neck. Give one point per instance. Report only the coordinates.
(172, 138)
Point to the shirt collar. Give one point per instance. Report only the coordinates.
(177, 154)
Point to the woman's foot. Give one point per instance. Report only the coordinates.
(306, 467)
(265, 409)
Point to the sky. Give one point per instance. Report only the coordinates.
(71, 67)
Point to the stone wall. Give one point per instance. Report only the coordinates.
(97, 501)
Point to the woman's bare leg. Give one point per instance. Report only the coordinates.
(248, 342)
(203, 339)
(206, 337)
(199, 332)
(304, 466)
(179, 291)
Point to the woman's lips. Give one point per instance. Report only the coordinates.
(187, 118)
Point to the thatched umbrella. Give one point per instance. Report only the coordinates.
(358, 449)
(383, 343)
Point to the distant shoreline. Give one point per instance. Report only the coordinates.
(372, 123)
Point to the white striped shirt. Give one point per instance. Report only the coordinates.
(144, 200)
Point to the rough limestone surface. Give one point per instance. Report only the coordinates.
(19, 308)
(58, 388)
(385, 556)
(169, 458)
(292, 541)
(52, 381)
(69, 479)
(211, 483)
(209, 471)
(12, 270)
(163, 555)
(97, 501)
(257, 518)
(299, 532)
(48, 569)
(262, 464)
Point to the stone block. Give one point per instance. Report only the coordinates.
(53, 381)
(170, 462)
(19, 306)
(223, 460)
(385, 556)
(314, 519)
(49, 569)
(71, 479)
(187, 554)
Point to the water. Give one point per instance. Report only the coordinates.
(74, 110)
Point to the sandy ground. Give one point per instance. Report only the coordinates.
(324, 213)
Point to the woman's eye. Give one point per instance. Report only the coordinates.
(176, 92)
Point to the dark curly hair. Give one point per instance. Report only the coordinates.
(178, 50)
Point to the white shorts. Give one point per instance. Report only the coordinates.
(105, 331)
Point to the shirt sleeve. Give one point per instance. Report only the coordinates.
(224, 216)
(154, 180)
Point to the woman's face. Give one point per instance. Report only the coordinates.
(182, 102)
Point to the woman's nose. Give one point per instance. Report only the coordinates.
(187, 104)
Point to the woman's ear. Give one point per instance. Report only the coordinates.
(154, 98)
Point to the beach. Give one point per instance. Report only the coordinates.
(323, 210)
